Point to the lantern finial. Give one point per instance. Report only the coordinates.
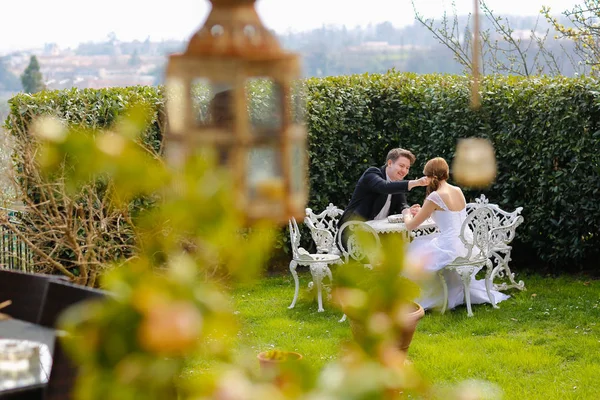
(233, 28)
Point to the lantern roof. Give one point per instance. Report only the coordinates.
(234, 29)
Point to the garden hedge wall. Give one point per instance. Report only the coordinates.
(90, 108)
(546, 132)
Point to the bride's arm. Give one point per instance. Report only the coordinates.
(425, 212)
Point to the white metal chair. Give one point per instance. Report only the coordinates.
(318, 264)
(323, 228)
(475, 234)
(506, 224)
(352, 249)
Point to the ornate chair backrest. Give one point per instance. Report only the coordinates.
(349, 232)
(324, 240)
(509, 221)
(294, 237)
(475, 234)
(480, 201)
(326, 221)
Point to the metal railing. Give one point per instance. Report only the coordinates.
(14, 253)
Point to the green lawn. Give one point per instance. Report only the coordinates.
(544, 343)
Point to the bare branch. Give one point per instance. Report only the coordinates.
(74, 234)
(503, 49)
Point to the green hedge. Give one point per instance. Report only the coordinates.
(546, 132)
(90, 108)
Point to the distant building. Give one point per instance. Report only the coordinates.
(63, 69)
(380, 47)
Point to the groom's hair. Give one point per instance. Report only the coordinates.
(396, 153)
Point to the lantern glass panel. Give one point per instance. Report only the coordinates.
(297, 167)
(176, 103)
(265, 180)
(223, 155)
(212, 103)
(263, 97)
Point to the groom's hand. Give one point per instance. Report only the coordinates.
(423, 181)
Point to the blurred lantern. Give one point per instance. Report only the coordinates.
(234, 91)
(474, 163)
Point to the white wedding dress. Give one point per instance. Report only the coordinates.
(439, 249)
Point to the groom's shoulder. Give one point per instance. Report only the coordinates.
(373, 170)
(370, 174)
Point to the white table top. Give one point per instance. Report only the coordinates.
(384, 226)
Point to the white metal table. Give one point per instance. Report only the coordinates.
(384, 226)
(351, 248)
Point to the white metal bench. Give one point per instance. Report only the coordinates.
(504, 224)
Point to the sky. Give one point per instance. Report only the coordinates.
(31, 23)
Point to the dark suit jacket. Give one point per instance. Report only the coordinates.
(371, 193)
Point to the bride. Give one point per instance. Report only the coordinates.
(446, 205)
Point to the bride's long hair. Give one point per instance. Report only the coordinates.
(437, 170)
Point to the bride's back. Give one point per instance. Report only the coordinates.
(452, 196)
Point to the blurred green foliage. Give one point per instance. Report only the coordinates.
(165, 308)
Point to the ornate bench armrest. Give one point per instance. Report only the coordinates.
(503, 235)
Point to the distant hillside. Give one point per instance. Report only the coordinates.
(325, 51)
(413, 48)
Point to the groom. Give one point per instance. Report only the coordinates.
(382, 191)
